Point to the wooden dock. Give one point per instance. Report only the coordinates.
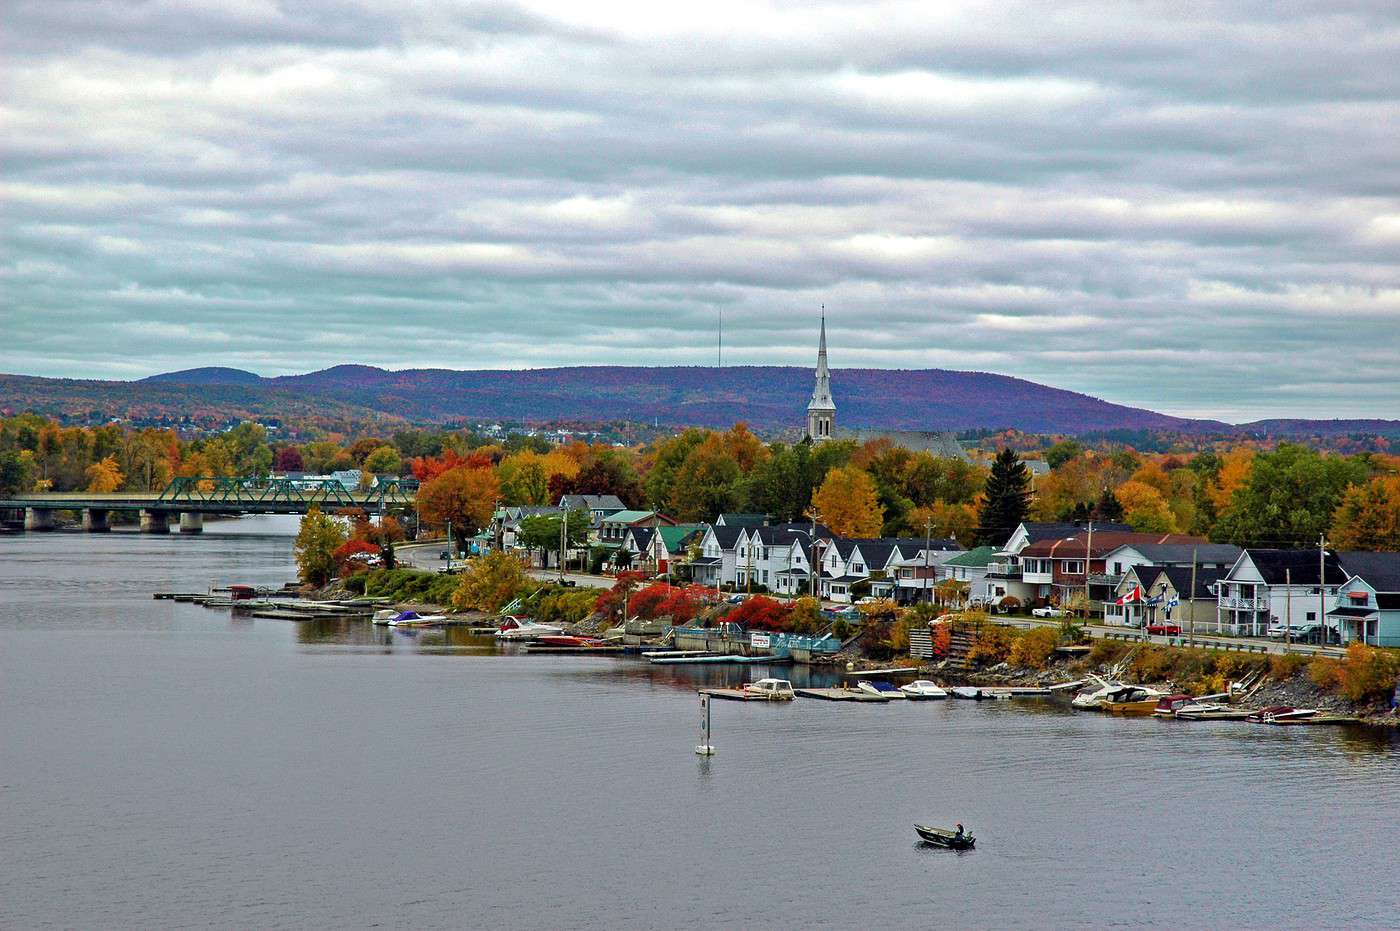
(844, 695)
(1319, 719)
(717, 658)
(731, 694)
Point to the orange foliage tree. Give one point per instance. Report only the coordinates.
(1369, 516)
(848, 503)
(464, 496)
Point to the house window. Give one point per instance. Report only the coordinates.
(765, 576)
(1312, 615)
(1118, 568)
(1074, 566)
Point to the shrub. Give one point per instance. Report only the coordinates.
(805, 617)
(1368, 673)
(884, 608)
(1107, 652)
(992, 646)
(1286, 665)
(1010, 603)
(490, 582)
(355, 584)
(1034, 647)
(840, 629)
(759, 613)
(557, 605)
(942, 639)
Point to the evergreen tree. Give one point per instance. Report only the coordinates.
(1108, 508)
(1007, 499)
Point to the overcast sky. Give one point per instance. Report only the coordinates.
(1195, 212)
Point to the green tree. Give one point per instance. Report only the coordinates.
(17, 473)
(1007, 499)
(1063, 452)
(384, 461)
(542, 531)
(1288, 498)
(317, 540)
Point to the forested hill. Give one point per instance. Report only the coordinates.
(765, 397)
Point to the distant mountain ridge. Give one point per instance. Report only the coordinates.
(766, 397)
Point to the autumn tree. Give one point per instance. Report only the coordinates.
(383, 460)
(1144, 508)
(104, 476)
(463, 496)
(288, 459)
(1369, 516)
(1289, 498)
(317, 541)
(847, 503)
(490, 582)
(1006, 500)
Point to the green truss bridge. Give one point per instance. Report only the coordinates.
(189, 499)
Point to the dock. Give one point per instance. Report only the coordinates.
(1319, 719)
(844, 695)
(734, 695)
(544, 649)
(717, 658)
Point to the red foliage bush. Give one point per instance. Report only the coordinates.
(610, 601)
(760, 613)
(646, 604)
(347, 566)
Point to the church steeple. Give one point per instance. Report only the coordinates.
(821, 410)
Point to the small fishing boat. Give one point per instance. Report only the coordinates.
(770, 690)
(1279, 714)
(879, 687)
(942, 837)
(969, 692)
(923, 690)
(1210, 711)
(1131, 700)
(523, 628)
(414, 619)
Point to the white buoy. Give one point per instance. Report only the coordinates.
(705, 749)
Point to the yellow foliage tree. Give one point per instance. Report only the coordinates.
(104, 476)
(949, 520)
(489, 582)
(1369, 516)
(1144, 507)
(848, 504)
(1234, 470)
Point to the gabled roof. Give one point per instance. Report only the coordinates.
(677, 538)
(1180, 577)
(634, 517)
(741, 520)
(592, 502)
(726, 535)
(974, 558)
(1102, 544)
(1165, 554)
(1298, 565)
(1381, 571)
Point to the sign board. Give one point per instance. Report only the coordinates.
(759, 641)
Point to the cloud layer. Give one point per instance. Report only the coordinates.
(1192, 208)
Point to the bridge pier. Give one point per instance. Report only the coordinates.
(38, 518)
(191, 522)
(95, 520)
(155, 521)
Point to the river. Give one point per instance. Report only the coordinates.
(166, 765)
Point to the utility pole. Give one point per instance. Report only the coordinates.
(563, 542)
(928, 557)
(449, 546)
(1088, 554)
(1321, 589)
(1287, 609)
(1190, 599)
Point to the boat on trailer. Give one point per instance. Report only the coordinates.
(942, 837)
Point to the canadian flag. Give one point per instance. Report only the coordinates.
(1131, 595)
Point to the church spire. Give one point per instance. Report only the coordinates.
(821, 410)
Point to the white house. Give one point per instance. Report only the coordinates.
(1265, 587)
(1368, 604)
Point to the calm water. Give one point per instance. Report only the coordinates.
(165, 765)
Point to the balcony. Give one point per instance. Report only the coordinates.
(1004, 570)
(1238, 603)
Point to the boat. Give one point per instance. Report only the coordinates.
(942, 837)
(384, 615)
(923, 690)
(970, 692)
(569, 640)
(524, 628)
(1210, 711)
(414, 619)
(1131, 700)
(1106, 691)
(1280, 714)
(879, 687)
(770, 690)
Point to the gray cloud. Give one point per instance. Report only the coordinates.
(1197, 211)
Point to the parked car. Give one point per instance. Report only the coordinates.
(1047, 612)
(868, 600)
(444, 555)
(1294, 632)
(1165, 630)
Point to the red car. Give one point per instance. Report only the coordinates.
(1166, 630)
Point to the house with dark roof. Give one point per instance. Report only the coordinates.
(717, 563)
(1268, 587)
(1064, 570)
(1167, 597)
(1367, 607)
(741, 520)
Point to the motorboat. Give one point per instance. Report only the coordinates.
(1210, 711)
(970, 692)
(879, 687)
(770, 690)
(1168, 705)
(942, 837)
(525, 629)
(569, 640)
(1131, 700)
(414, 619)
(1105, 690)
(384, 615)
(923, 690)
(1280, 714)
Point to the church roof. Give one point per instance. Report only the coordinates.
(821, 392)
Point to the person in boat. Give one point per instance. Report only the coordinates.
(959, 834)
